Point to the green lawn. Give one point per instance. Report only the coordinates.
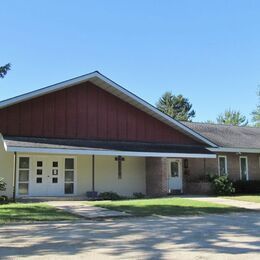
(249, 198)
(31, 212)
(165, 207)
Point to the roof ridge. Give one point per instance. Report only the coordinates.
(218, 124)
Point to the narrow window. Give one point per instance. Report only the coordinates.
(69, 176)
(174, 169)
(243, 168)
(23, 175)
(222, 165)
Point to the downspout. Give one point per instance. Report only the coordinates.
(93, 176)
(14, 178)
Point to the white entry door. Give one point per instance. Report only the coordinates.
(46, 176)
(175, 175)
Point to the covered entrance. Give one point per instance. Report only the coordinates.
(45, 175)
(76, 167)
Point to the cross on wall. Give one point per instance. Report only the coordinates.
(119, 160)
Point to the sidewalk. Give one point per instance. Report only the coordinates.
(86, 211)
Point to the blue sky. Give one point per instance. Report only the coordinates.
(209, 51)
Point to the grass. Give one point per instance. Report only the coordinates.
(165, 207)
(15, 212)
(249, 198)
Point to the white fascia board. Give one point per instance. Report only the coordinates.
(234, 150)
(105, 152)
(80, 79)
(49, 89)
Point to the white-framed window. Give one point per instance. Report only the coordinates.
(243, 163)
(222, 165)
(69, 176)
(23, 175)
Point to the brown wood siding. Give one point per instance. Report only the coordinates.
(85, 111)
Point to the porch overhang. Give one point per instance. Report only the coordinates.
(94, 147)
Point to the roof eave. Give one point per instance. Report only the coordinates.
(234, 150)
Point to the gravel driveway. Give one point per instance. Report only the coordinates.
(230, 236)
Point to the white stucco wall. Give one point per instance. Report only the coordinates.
(6, 169)
(106, 175)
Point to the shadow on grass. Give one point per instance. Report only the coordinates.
(170, 210)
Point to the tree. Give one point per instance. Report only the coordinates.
(232, 117)
(177, 107)
(256, 112)
(4, 69)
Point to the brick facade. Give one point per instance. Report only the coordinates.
(198, 168)
(156, 176)
(194, 177)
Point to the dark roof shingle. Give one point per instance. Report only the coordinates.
(84, 144)
(227, 135)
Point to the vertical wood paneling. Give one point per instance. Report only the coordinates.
(49, 114)
(131, 124)
(3, 120)
(111, 115)
(71, 114)
(60, 114)
(86, 111)
(25, 118)
(102, 115)
(92, 112)
(82, 112)
(13, 120)
(37, 116)
(122, 121)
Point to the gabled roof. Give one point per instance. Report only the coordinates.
(229, 136)
(110, 86)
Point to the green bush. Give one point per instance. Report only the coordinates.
(222, 185)
(3, 199)
(109, 195)
(138, 195)
(2, 184)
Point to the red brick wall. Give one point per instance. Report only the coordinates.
(199, 167)
(194, 181)
(156, 176)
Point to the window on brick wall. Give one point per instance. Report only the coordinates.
(222, 165)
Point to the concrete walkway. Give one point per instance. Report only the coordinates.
(86, 211)
(229, 202)
(215, 237)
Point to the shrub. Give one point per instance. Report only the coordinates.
(110, 195)
(222, 185)
(138, 195)
(2, 184)
(3, 199)
(248, 187)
